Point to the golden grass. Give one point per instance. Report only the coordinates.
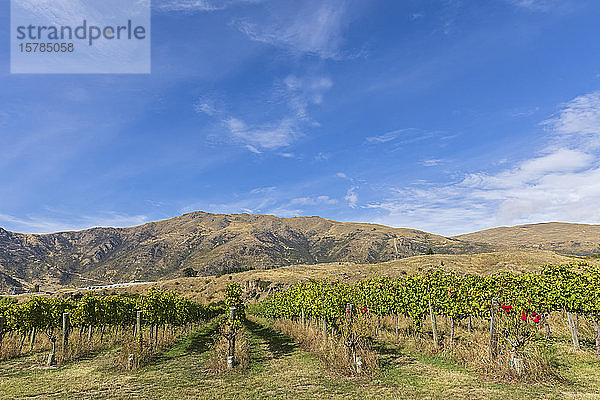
(211, 288)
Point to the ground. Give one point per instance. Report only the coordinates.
(279, 369)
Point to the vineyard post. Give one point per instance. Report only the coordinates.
(451, 332)
(573, 329)
(231, 337)
(1, 329)
(436, 343)
(493, 344)
(470, 324)
(66, 326)
(596, 325)
(324, 326)
(396, 327)
(303, 318)
(138, 327)
(32, 338)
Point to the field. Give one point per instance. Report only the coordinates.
(211, 288)
(279, 368)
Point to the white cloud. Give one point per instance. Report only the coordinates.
(351, 197)
(313, 201)
(579, 118)
(535, 5)
(197, 5)
(39, 224)
(267, 136)
(400, 137)
(295, 94)
(312, 27)
(432, 162)
(560, 184)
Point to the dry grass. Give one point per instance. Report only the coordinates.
(217, 362)
(211, 288)
(136, 351)
(580, 239)
(470, 349)
(329, 349)
(14, 344)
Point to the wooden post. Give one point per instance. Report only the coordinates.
(66, 325)
(324, 326)
(493, 344)
(303, 318)
(597, 326)
(470, 324)
(32, 338)
(231, 344)
(436, 342)
(547, 328)
(138, 327)
(1, 329)
(451, 332)
(573, 329)
(397, 317)
(130, 361)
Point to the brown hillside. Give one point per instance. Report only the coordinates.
(208, 243)
(259, 283)
(577, 239)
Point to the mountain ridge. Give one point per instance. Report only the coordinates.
(216, 243)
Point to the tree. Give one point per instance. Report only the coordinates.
(190, 272)
(430, 251)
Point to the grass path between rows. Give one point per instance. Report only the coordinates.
(278, 369)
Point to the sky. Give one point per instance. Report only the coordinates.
(442, 115)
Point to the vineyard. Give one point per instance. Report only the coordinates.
(138, 319)
(334, 338)
(513, 308)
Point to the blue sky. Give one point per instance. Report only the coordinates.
(447, 116)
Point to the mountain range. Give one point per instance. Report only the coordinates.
(211, 244)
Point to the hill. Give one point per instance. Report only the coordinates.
(209, 244)
(564, 238)
(260, 283)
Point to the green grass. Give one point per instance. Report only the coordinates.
(278, 369)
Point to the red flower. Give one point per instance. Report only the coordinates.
(524, 316)
(537, 320)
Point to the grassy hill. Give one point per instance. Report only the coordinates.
(259, 283)
(209, 244)
(213, 244)
(577, 239)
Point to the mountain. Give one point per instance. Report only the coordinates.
(564, 238)
(210, 244)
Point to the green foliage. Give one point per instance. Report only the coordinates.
(574, 288)
(159, 307)
(189, 272)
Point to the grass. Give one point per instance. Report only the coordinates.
(280, 369)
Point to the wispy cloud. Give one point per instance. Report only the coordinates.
(399, 138)
(535, 5)
(312, 27)
(197, 5)
(267, 136)
(313, 201)
(561, 183)
(294, 94)
(352, 197)
(49, 224)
